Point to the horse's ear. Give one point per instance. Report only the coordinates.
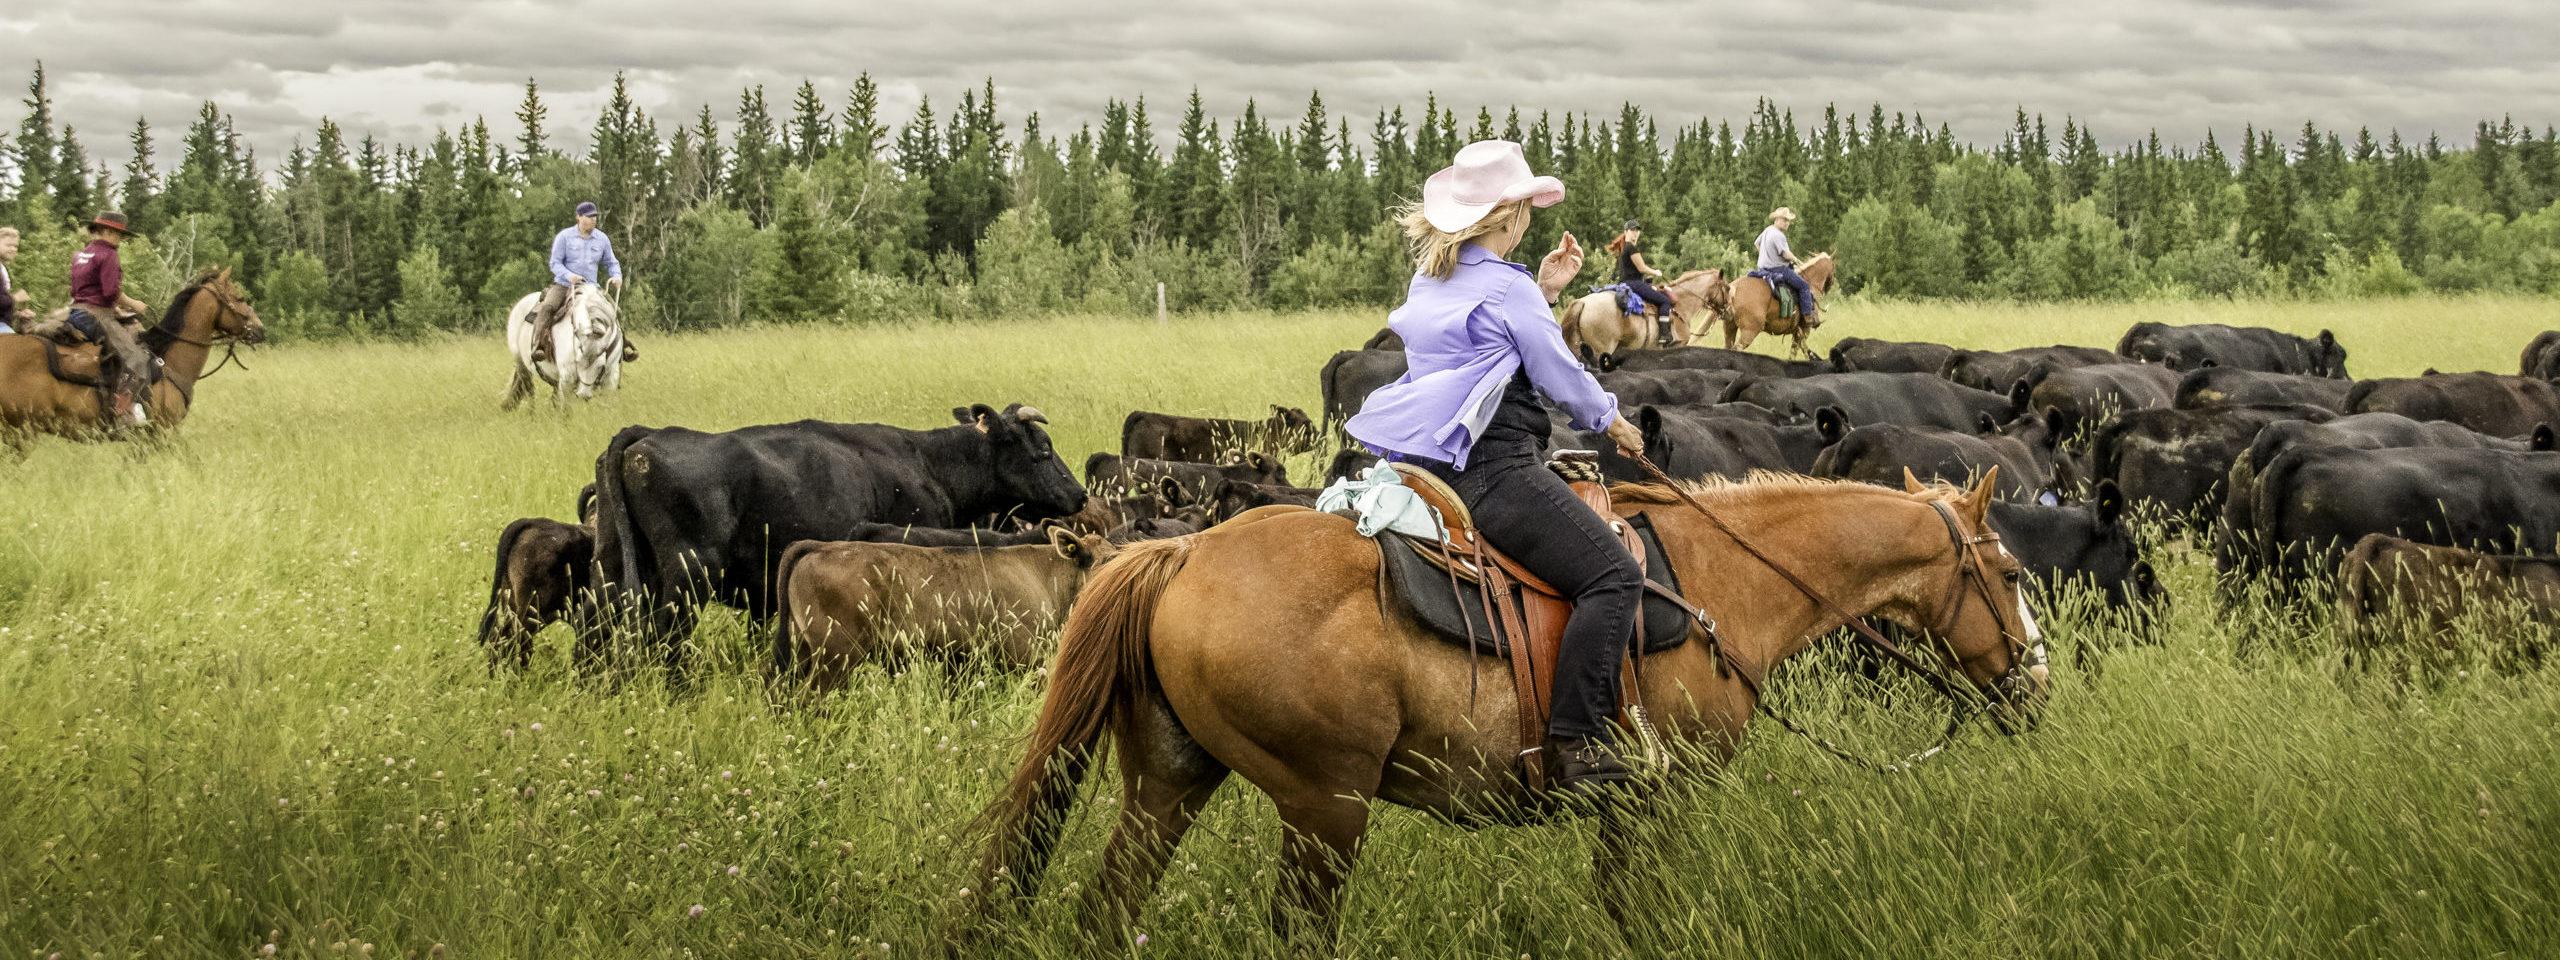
(1979, 500)
(1911, 482)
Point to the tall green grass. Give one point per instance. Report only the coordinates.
(240, 705)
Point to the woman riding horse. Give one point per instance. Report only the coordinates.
(1637, 276)
(1481, 347)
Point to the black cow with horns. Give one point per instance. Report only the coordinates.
(686, 517)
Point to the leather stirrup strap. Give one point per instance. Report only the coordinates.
(1524, 673)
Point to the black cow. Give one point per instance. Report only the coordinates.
(2542, 357)
(1690, 443)
(1349, 463)
(2093, 396)
(1713, 358)
(1881, 453)
(2088, 547)
(2199, 345)
(1998, 370)
(1385, 339)
(1910, 399)
(1862, 355)
(1237, 496)
(1352, 375)
(686, 517)
(2490, 403)
(1635, 387)
(2313, 501)
(2232, 386)
(1166, 500)
(1110, 474)
(2177, 463)
(2236, 544)
(1155, 528)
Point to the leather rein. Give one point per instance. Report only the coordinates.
(1971, 567)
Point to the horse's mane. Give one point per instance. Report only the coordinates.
(173, 320)
(1765, 485)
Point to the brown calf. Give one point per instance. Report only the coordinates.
(1164, 436)
(544, 570)
(843, 601)
(2391, 589)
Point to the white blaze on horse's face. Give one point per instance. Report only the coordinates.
(2035, 635)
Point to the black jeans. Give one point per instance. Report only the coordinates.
(1645, 291)
(1526, 511)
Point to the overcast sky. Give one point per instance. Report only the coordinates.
(400, 68)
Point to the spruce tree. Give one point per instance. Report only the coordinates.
(140, 192)
(862, 128)
(72, 188)
(530, 141)
(811, 133)
(34, 151)
(757, 161)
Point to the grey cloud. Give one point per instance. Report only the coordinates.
(401, 68)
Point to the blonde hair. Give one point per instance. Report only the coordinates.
(1435, 251)
(7, 232)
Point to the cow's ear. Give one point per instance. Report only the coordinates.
(2328, 339)
(1911, 482)
(1832, 423)
(2019, 392)
(982, 416)
(1985, 423)
(2108, 503)
(2431, 372)
(2059, 423)
(2542, 437)
(1648, 420)
(1172, 493)
(962, 415)
(1064, 542)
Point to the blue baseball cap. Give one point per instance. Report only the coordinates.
(587, 209)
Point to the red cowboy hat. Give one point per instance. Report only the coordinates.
(111, 221)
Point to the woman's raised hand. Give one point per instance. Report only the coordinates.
(1560, 266)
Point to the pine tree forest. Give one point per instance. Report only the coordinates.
(793, 208)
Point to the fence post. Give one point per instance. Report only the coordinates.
(1159, 301)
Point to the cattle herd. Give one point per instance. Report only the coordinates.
(2418, 498)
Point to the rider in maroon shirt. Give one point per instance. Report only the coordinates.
(98, 302)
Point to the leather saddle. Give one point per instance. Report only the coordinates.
(1470, 594)
(86, 364)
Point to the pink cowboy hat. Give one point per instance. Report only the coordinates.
(1484, 175)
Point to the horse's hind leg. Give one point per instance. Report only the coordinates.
(519, 387)
(1320, 842)
(1167, 778)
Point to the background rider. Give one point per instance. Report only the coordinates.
(577, 253)
(13, 301)
(1779, 263)
(99, 306)
(1637, 274)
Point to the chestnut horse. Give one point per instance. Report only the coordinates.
(1755, 309)
(1601, 333)
(1263, 647)
(212, 310)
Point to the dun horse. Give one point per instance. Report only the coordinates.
(1755, 309)
(586, 347)
(210, 311)
(1262, 647)
(1602, 333)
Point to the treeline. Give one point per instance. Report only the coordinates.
(817, 211)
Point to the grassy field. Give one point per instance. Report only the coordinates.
(240, 705)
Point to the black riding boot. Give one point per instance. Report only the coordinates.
(1662, 329)
(1584, 767)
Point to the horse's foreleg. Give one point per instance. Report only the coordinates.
(1611, 869)
(1166, 784)
(1320, 842)
(1730, 328)
(1747, 334)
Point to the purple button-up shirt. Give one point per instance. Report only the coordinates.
(1463, 338)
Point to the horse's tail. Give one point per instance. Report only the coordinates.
(783, 651)
(497, 614)
(1101, 670)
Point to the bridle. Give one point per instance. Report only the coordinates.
(2026, 652)
(230, 343)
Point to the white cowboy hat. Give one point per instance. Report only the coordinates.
(1484, 175)
(1782, 213)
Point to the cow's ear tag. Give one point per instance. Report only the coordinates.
(980, 423)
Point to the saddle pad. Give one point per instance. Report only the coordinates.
(1784, 293)
(1454, 614)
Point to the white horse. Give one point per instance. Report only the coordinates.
(586, 346)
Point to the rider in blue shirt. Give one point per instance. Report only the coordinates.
(577, 254)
